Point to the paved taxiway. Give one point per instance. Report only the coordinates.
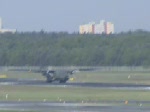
(73, 84)
(69, 107)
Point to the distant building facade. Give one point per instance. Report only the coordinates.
(109, 28)
(102, 28)
(87, 28)
(5, 30)
(0, 23)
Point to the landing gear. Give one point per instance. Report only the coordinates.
(64, 80)
(49, 79)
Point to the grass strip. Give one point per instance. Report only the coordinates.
(34, 93)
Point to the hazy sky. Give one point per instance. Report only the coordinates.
(67, 15)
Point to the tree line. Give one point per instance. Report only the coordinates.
(63, 49)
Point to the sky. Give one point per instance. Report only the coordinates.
(67, 15)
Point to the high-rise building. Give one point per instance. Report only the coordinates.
(109, 28)
(102, 28)
(6, 30)
(87, 28)
(0, 23)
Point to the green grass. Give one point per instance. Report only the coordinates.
(33, 93)
(114, 77)
(22, 75)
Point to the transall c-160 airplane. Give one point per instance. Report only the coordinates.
(60, 75)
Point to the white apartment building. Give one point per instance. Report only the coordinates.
(0, 23)
(87, 28)
(109, 28)
(6, 30)
(102, 28)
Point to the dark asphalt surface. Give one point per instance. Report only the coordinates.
(69, 107)
(68, 84)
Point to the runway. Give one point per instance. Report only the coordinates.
(69, 107)
(32, 82)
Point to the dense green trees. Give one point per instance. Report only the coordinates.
(39, 48)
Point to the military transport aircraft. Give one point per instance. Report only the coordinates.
(58, 75)
(52, 75)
